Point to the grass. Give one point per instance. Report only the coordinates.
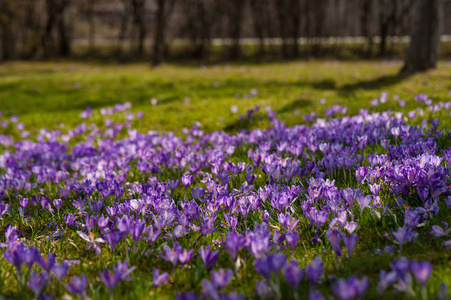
(45, 94)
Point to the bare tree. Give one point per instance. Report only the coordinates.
(8, 24)
(139, 13)
(260, 10)
(90, 4)
(1, 33)
(198, 22)
(422, 53)
(164, 10)
(288, 13)
(366, 19)
(56, 21)
(124, 16)
(391, 13)
(234, 10)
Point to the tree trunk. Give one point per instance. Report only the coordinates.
(158, 48)
(164, 10)
(1, 33)
(383, 43)
(139, 23)
(284, 28)
(92, 26)
(295, 23)
(123, 28)
(64, 37)
(236, 14)
(366, 25)
(258, 8)
(425, 36)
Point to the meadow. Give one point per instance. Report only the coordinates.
(296, 180)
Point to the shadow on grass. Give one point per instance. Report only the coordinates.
(297, 104)
(374, 84)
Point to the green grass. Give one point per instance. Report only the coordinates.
(43, 95)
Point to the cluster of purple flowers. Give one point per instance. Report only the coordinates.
(259, 196)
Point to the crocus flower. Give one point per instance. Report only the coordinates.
(208, 257)
(110, 279)
(187, 180)
(172, 254)
(123, 270)
(292, 239)
(77, 286)
(334, 239)
(273, 263)
(37, 282)
(92, 242)
(60, 270)
(314, 270)
(159, 279)
(47, 262)
(350, 241)
(185, 256)
(293, 275)
(351, 288)
(221, 278)
(403, 235)
(209, 290)
(112, 239)
(421, 271)
(233, 243)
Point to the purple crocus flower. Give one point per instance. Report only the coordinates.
(77, 286)
(110, 279)
(15, 254)
(403, 235)
(172, 254)
(421, 271)
(233, 243)
(401, 266)
(47, 262)
(37, 282)
(334, 237)
(209, 290)
(208, 257)
(351, 226)
(292, 239)
(209, 227)
(159, 279)
(314, 270)
(60, 270)
(273, 263)
(293, 275)
(185, 256)
(92, 242)
(363, 201)
(112, 239)
(350, 241)
(123, 270)
(221, 278)
(58, 203)
(187, 180)
(351, 288)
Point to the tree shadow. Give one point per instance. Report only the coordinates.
(297, 104)
(327, 84)
(374, 84)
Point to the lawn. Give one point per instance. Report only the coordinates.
(251, 175)
(45, 94)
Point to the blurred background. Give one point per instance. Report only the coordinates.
(219, 61)
(209, 30)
